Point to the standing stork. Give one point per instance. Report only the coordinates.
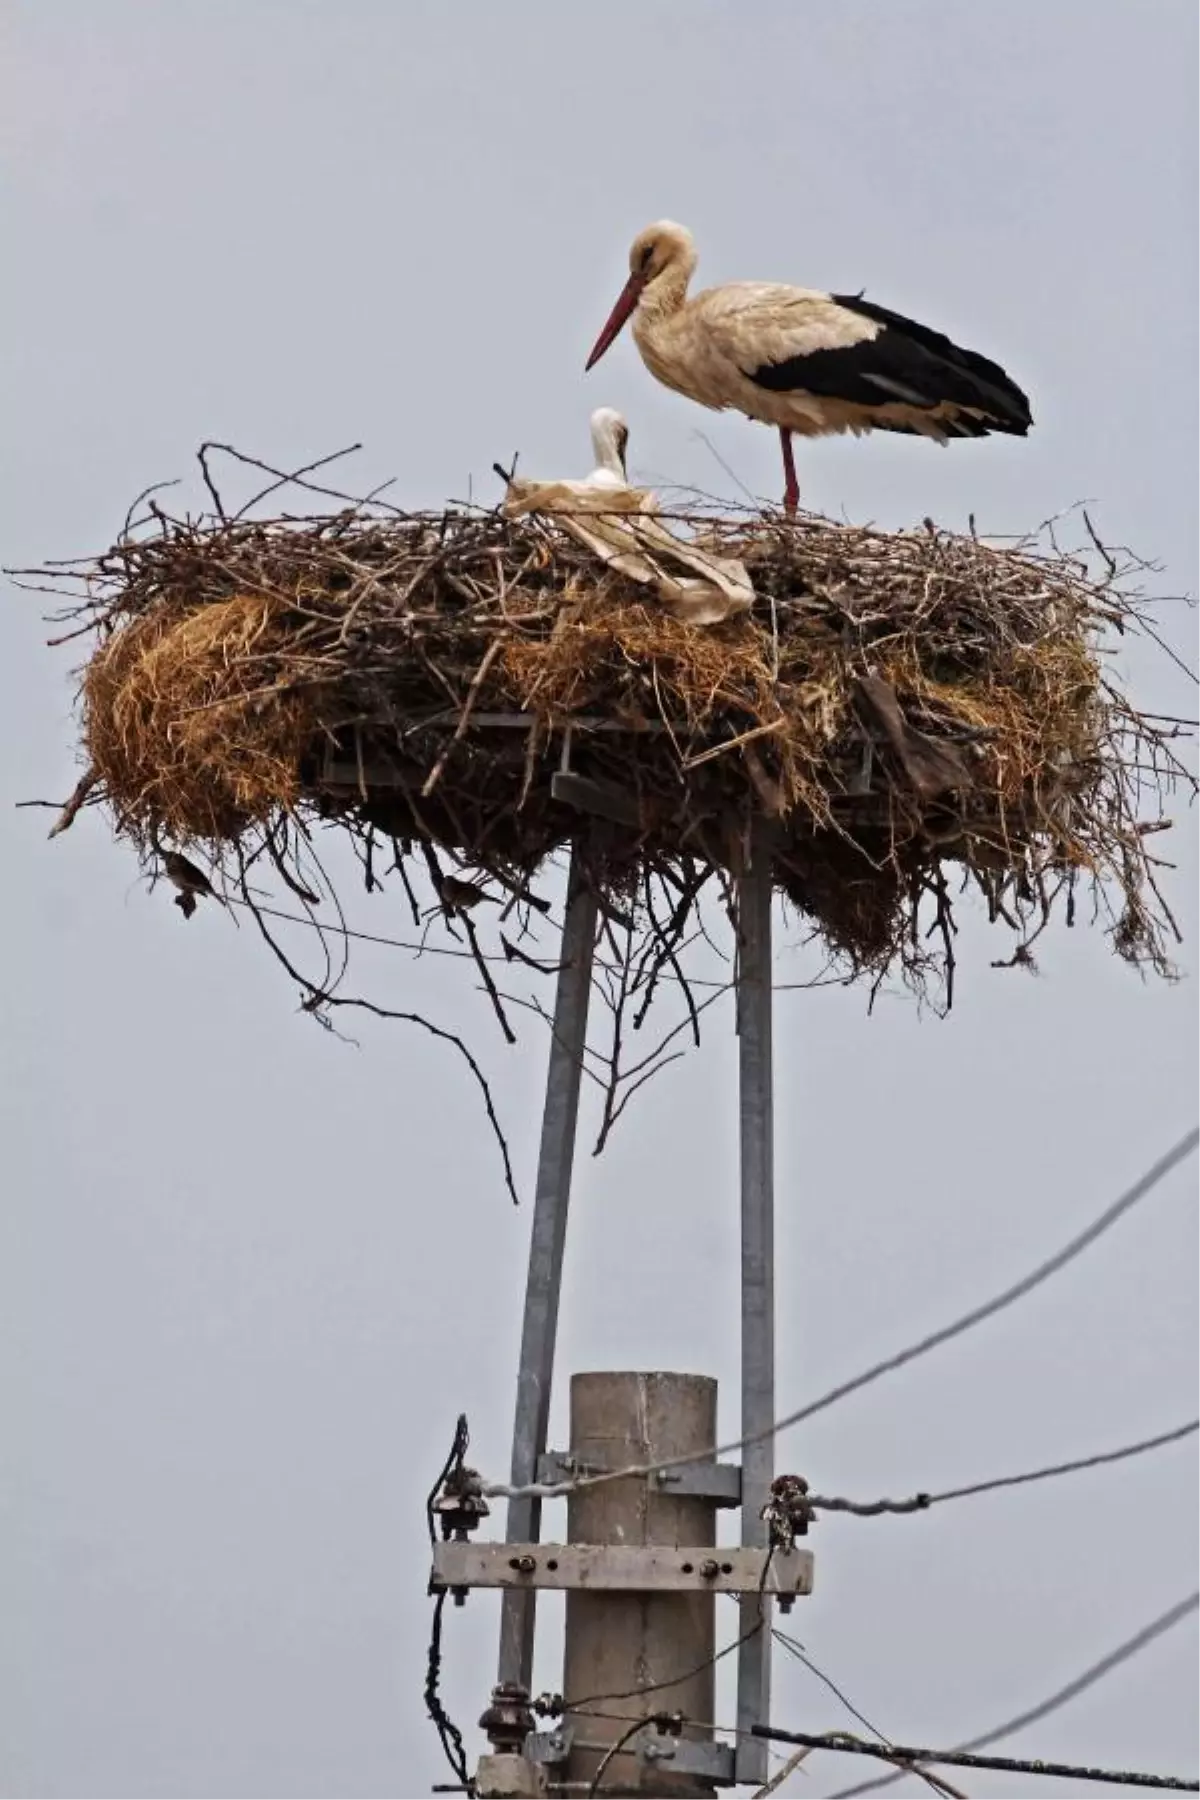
(803, 361)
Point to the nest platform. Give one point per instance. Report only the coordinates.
(902, 715)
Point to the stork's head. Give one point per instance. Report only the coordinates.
(662, 250)
(661, 247)
(610, 435)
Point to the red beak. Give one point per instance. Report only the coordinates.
(631, 293)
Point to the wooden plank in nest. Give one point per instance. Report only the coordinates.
(597, 797)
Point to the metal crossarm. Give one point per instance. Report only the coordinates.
(622, 1568)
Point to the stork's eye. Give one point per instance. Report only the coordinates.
(645, 259)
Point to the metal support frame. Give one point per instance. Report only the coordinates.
(758, 1284)
(676, 1756)
(530, 1460)
(544, 1280)
(704, 1480)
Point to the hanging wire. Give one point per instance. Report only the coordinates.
(781, 1774)
(618, 1744)
(710, 1662)
(889, 1751)
(796, 1649)
(965, 1322)
(449, 1735)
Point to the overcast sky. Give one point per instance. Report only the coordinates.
(250, 1274)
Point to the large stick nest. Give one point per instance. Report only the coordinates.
(903, 714)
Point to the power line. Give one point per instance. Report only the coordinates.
(1095, 1672)
(909, 1756)
(989, 1308)
(327, 927)
(867, 1509)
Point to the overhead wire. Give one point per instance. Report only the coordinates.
(867, 1509)
(424, 948)
(907, 1757)
(988, 1309)
(1079, 1684)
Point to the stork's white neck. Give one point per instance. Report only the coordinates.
(608, 443)
(667, 292)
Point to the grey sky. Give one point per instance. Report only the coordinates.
(249, 1275)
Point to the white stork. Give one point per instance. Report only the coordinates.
(804, 361)
(605, 489)
(610, 435)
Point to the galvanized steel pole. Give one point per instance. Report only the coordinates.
(544, 1280)
(758, 1284)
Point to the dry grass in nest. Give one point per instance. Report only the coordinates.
(186, 724)
(902, 714)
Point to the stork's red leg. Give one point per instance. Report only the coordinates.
(791, 493)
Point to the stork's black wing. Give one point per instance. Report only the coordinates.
(909, 363)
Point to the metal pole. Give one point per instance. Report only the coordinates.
(544, 1280)
(758, 1284)
(620, 1643)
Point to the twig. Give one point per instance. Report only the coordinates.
(485, 974)
(490, 654)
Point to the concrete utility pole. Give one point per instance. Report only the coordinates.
(633, 1645)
